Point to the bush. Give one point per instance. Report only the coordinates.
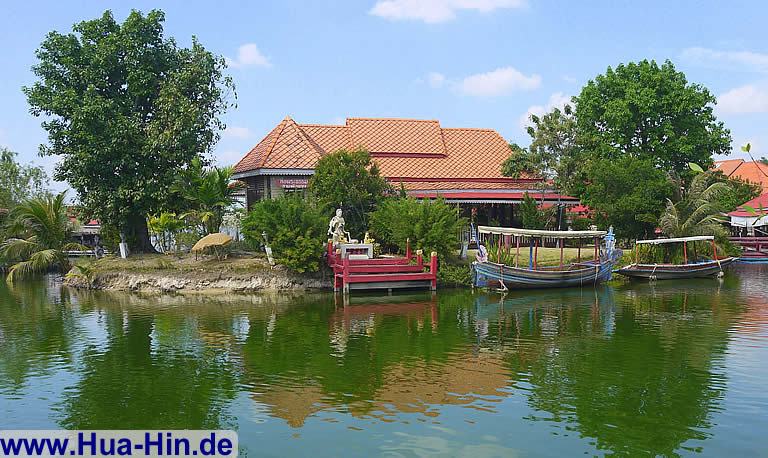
(454, 275)
(430, 225)
(296, 230)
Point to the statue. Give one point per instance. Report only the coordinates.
(368, 239)
(336, 228)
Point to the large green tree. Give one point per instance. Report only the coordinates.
(19, 182)
(126, 108)
(650, 112)
(349, 180)
(628, 193)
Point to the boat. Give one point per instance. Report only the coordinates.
(487, 273)
(707, 268)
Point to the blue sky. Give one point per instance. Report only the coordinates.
(468, 63)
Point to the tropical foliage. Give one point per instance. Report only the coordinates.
(699, 212)
(209, 195)
(165, 227)
(19, 182)
(349, 180)
(430, 225)
(41, 235)
(531, 216)
(296, 230)
(126, 108)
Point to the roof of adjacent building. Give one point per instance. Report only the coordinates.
(419, 153)
(758, 206)
(753, 172)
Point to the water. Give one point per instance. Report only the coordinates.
(676, 368)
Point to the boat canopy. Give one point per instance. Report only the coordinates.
(676, 240)
(538, 233)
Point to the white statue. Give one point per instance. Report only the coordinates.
(336, 228)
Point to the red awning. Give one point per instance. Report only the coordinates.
(494, 197)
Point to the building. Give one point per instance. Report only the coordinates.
(752, 172)
(751, 218)
(461, 165)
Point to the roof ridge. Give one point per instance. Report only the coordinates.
(395, 119)
(341, 126)
(487, 129)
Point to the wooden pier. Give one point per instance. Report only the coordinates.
(352, 272)
(755, 248)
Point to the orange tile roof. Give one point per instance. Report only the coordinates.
(728, 166)
(403, 148)
(753, 172)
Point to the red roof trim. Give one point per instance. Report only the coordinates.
(490, 195)
(464, 180)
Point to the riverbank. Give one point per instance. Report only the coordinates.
(164, 273)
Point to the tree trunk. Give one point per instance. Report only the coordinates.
(138, 235)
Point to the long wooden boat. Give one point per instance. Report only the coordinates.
(708, 268)
(600, 269)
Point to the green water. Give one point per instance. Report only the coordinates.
(637, 369)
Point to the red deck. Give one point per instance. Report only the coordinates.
(382, 273)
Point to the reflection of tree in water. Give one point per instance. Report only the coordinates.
(36, 332)
(643, 383)
(148, 377)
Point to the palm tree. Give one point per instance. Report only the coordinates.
(42, 235)
(210, 194)
(698, 212)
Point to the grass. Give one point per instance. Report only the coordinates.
(146, 263)
(545, 256)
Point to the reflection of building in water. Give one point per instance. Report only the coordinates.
(421, 387)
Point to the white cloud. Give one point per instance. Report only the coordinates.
(237, 132)
(744, 99)
(501, 81)
(434, 11)
(248, 55)
(435, 79)
(556, 100)
(705, 56)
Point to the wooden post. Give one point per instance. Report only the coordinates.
(330, 253)
(535, 253)
(714, 250)
(517, 255)
(561, 252)
(597, 244)
(578, 252)
(530, 254)
(685, 252)
(433, 270)
(408, 249)
(345, 273)
(498, 253)
(419, 258)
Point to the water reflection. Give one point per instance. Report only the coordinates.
(638, 368)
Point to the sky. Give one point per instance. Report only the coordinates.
(467, 63)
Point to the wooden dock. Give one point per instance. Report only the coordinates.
(354, 273)
(755, 248)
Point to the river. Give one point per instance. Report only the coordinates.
(672, 368)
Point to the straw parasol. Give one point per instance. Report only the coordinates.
(214, 241)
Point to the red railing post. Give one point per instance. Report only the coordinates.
(419, 258)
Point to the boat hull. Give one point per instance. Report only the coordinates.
(675, 272)
(487, 273)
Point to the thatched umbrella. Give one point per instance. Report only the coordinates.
(213, 241)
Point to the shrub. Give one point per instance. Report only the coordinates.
(296, 230)
(454, 275)
(165, 227)
(430, 225)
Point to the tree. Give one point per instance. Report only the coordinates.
(296, 230)
(531, 216)
(209, 194)
(431, 225)
(554, 144)
(651, 113)
(738, 191)
(628, 193)
(349, 180)
(42, 235)
(126, 109)
(699, 212)
(19, 182)
(522, 162)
